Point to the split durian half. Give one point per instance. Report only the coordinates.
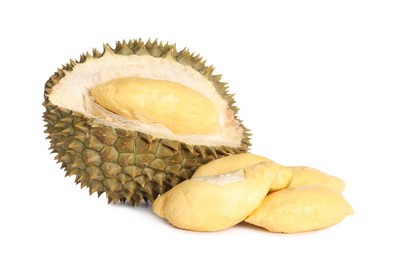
(137, 119)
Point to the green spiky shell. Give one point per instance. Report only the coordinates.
(129, 166)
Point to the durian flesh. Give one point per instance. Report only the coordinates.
(180, 109)
(162, 87)
(134, 147)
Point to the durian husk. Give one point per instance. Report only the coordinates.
(129, 166)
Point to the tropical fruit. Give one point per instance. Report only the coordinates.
(300, 209)
(135, 120)
(307, 176)
(216, 202)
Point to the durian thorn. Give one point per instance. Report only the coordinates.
(161, 46)
(183, 57)
(65, 111)
(83, 184)
(223, 85)
(68, 131)
(175, 145)
(128, 196)
(81, 126)
(113, 197)
(217, 78)
(60, 125)
(73, 171)
(51, 117)
(198, 64)
(208, 73)
(83, 58)
(197, 57)
(73, 63)
(118, 46)
(79, 178)
(168, 46)
(67, 67)
(147, 138)
(212, 151)
(229, 96)
(142, 50)
(59, 135)
(96, 53)
(170, 55)
(202, 151)
(107, 49)
(159, 179)
(67, 119)
(48, 89)
(155, 49)
(60, 73)
(137, 199)
(141, 180)
(148, 189)
(148, 42)
(88, 55)
(61, 143)
(95, 186)
(130, 202)
(124, 49)
(190, 148)
(131, 44)
(136, 44)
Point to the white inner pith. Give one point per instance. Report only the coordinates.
(73, 93)
(222, 179)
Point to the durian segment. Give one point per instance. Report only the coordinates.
(216, 202)
(234, 162)
(179, 108)
(300, 209)
(304, 176)
(283, 180)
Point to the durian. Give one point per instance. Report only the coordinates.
(135, 147)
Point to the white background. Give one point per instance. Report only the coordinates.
(318, 82)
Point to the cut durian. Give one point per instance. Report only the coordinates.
(137, 119)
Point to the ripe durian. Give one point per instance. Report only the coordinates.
(134, 146)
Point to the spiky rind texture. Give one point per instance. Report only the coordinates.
(128, 166)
